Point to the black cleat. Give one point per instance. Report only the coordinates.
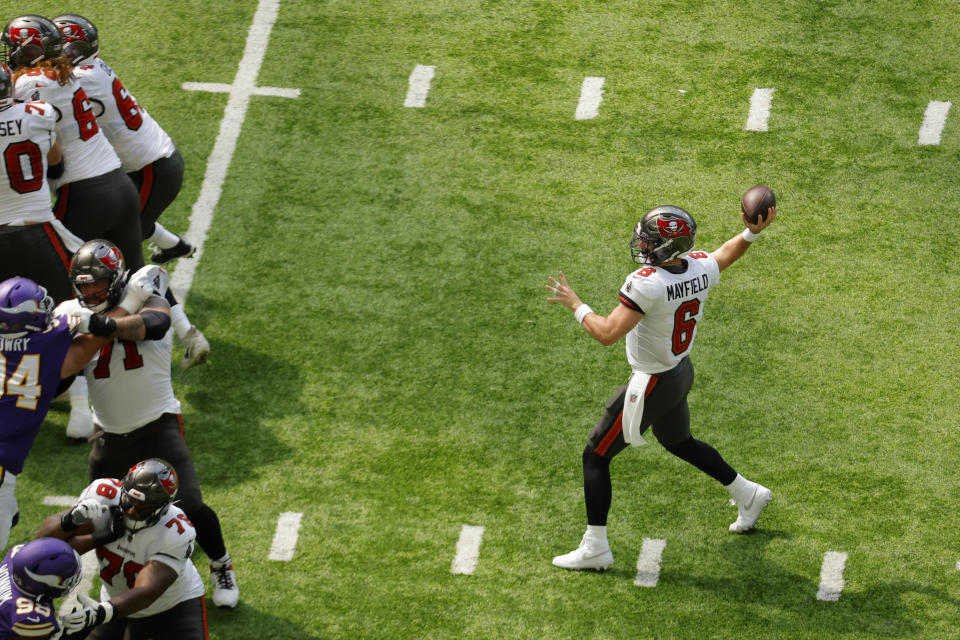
(183, 250)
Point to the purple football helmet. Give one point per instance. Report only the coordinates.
(24, 306)
(45, 567)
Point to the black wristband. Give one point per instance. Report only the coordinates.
(54, 171)
(102, 325)
(67, 523)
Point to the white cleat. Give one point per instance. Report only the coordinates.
(749, 512)
(80, 425)
(196, 349)
(226, 593)
(591, 554)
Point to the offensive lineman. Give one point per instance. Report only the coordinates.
(148, 156)
(134, 406)
(33, 243)
(143, 542)
(660, 306)
(94, 196)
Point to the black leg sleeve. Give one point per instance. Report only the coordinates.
(597, 488)
(704, 457)
(209, 535)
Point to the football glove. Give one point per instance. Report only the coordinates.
(147, 281)
(92, 614)
(113, 529)
(84, 511)
(90, 322)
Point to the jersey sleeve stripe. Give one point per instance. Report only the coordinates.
(627, 302)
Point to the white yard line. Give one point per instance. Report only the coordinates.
(934, 119)
(760, 103)
(648, 564)
(468, 550)
(591, 94)
(285, 538)
(60, 501)
(831, 576)
(244, 86)
(420, 79)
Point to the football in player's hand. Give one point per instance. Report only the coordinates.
(756, 201)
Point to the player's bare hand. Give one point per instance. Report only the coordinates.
(762, 221)
(562, 292)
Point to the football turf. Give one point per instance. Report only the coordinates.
(384, 360)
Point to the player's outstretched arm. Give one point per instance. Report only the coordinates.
(735, 247)
(606, 330)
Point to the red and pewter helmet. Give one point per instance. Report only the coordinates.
(95, 261)
(30, 39)
(80, 38)
(147, 492)
(664, 233)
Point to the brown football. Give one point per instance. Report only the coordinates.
(756, 201)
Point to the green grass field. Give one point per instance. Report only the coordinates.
(384, 360)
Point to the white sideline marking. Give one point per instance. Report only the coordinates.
(468, 550)
(648, 564)
(285, 539)
(831, 576)
(244, 86)
(759, 109)
(934, 120)
(420, 79)
(957, 566)
(591, 94)
(60, 501)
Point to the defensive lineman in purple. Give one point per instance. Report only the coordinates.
(31, 576)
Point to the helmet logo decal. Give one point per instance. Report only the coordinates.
(169, 481)
(53, 581)
(72, 33)
(110, 258)
(24, 35)
(673, 228)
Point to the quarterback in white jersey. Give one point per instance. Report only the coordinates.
(672, 306)
(659, 310)
(150, 587)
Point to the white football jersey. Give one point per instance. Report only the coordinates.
(26, 135)
(129, 382)
(135, 136)
(169, 541)
(672, 306)
(86, 151)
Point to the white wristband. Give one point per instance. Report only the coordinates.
(749, 236)
(108, 611)
(582, 312)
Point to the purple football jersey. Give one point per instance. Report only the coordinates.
(21, 613)
(33, 363)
